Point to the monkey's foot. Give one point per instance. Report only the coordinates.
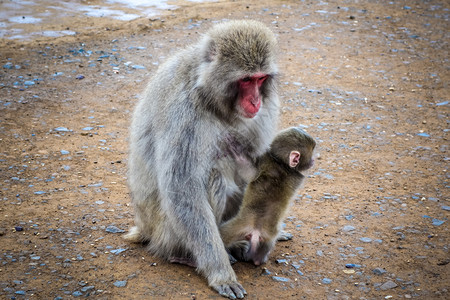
(285, 236)
(134, 235)
(231, 290)
(183, 261)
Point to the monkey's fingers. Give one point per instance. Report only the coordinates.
(232, 291)
(232, 259)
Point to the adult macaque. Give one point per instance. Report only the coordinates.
(252, 233)
(183, 180)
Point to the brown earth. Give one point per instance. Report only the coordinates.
(368, 79)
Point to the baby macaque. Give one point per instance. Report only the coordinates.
(253, 232)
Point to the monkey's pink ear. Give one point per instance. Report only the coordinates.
(294, 159)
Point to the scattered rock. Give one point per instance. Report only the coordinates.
(62, 129)
(348, 228)
(365, 240)
(77, 294)
(113, 229)
(280, 279)
(379, 271)
(120, 283)
(388, 285)
(265, 271)
(118, 251)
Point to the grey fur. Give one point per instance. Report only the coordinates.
(182, 180)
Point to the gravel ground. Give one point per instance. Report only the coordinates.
(368, 79)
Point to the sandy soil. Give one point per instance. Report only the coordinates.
(368, 79)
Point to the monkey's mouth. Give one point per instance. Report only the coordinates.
(250, 115)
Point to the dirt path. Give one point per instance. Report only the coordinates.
(368, 79)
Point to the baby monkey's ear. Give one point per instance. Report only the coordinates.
(294, 159)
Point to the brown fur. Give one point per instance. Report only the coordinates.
(251, 235)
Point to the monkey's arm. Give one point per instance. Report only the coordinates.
(183, 181)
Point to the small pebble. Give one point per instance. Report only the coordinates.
(77, 294)
(8, 65)
(437, 222)
(62, 129)
(388, 285)
(280, 279)
(423, 134)
(18, 228)
(120, 283)
(118, 251)
(365, 240)
(348, 228)
(114, 229)
(87, 288)
(326, 281)
(281, 261)
(379, 271)
(265, 272)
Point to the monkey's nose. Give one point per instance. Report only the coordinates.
(255, 101)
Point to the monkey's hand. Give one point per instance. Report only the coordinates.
(232, 259)
(230, 290)
(224, 281)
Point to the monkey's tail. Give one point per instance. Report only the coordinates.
(134, 235)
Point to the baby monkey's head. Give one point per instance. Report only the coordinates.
(295, 148)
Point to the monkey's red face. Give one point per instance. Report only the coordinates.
(250, 95)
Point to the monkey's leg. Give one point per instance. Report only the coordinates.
(134, 235)
(195, 229)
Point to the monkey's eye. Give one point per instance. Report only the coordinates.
(246, 79)
(262, 79)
